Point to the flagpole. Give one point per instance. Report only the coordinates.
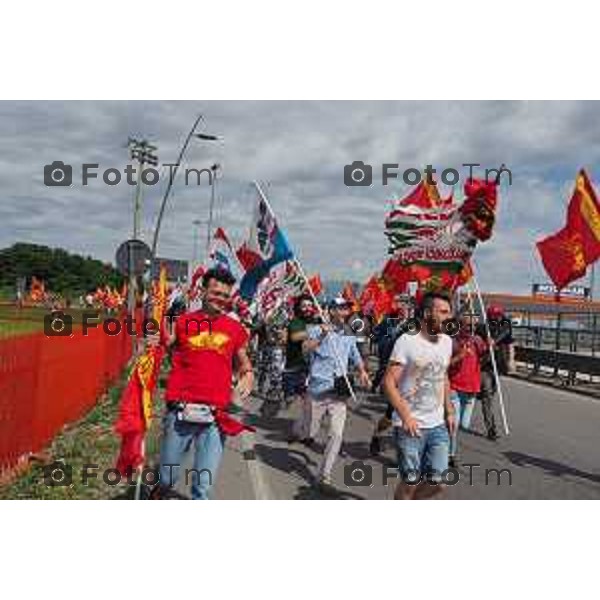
(491, 350)
(322, 313)
(138, 482)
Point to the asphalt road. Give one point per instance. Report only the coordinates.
(552, 452)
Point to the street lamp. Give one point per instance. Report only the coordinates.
(192, 133)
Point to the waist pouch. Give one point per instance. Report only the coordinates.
(192, 412)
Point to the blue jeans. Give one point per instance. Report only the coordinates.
(178, 437)
(426, 455)
(463, 403)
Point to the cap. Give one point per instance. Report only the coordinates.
(338, 302)
(495, 312)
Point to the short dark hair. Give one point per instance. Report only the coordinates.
(220, 274)
(298, 303)
(428, 300)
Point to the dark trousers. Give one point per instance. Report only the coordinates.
(487, 395)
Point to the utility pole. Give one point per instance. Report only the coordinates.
(142, 152)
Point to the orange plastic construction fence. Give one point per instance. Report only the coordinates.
(47, 382)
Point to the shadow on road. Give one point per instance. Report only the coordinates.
(550, 466)
(315, 493)
(287, 460)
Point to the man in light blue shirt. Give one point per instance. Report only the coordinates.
(330, 351)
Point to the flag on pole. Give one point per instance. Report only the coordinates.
(567, 253)
(222, 253)
(135, 410)
(315, 283)
(266, 247)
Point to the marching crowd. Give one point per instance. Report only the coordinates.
(431, 381)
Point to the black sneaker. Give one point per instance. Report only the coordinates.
(492, 436)
(375, 446)
(453, 462)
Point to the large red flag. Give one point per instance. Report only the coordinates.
(567, 253)
(135, 410)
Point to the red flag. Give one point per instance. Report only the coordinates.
(349, 295)
(567, 253)
(563, 257)
(396, 276)
(135, 410)
(315, 284)
(584, 215)
(248, 258)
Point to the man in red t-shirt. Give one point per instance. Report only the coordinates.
(207, 343)
(465, 377)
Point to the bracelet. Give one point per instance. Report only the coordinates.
(242, 373)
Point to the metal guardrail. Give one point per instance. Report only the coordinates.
(571, 363)
(586, 341)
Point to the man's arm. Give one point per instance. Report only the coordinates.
(244, 373)
(358, 362)
(314, 340)
(390, 388)
(298, 336)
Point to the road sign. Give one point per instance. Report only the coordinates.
(133, 257)
(572, 291)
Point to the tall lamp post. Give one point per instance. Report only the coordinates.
(163, 205)
(144, 153)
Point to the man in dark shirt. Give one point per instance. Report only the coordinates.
(500, 329)
(296, 366)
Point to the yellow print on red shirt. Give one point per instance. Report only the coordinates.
(209, 341)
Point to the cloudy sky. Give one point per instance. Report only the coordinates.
(298, 149)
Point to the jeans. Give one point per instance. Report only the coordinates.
(463, 403)
(178, 438)
(426, 455)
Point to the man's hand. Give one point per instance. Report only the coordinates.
(364, 379)
(245, 384)
(410, 425)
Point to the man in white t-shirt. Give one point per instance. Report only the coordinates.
(416, 385)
